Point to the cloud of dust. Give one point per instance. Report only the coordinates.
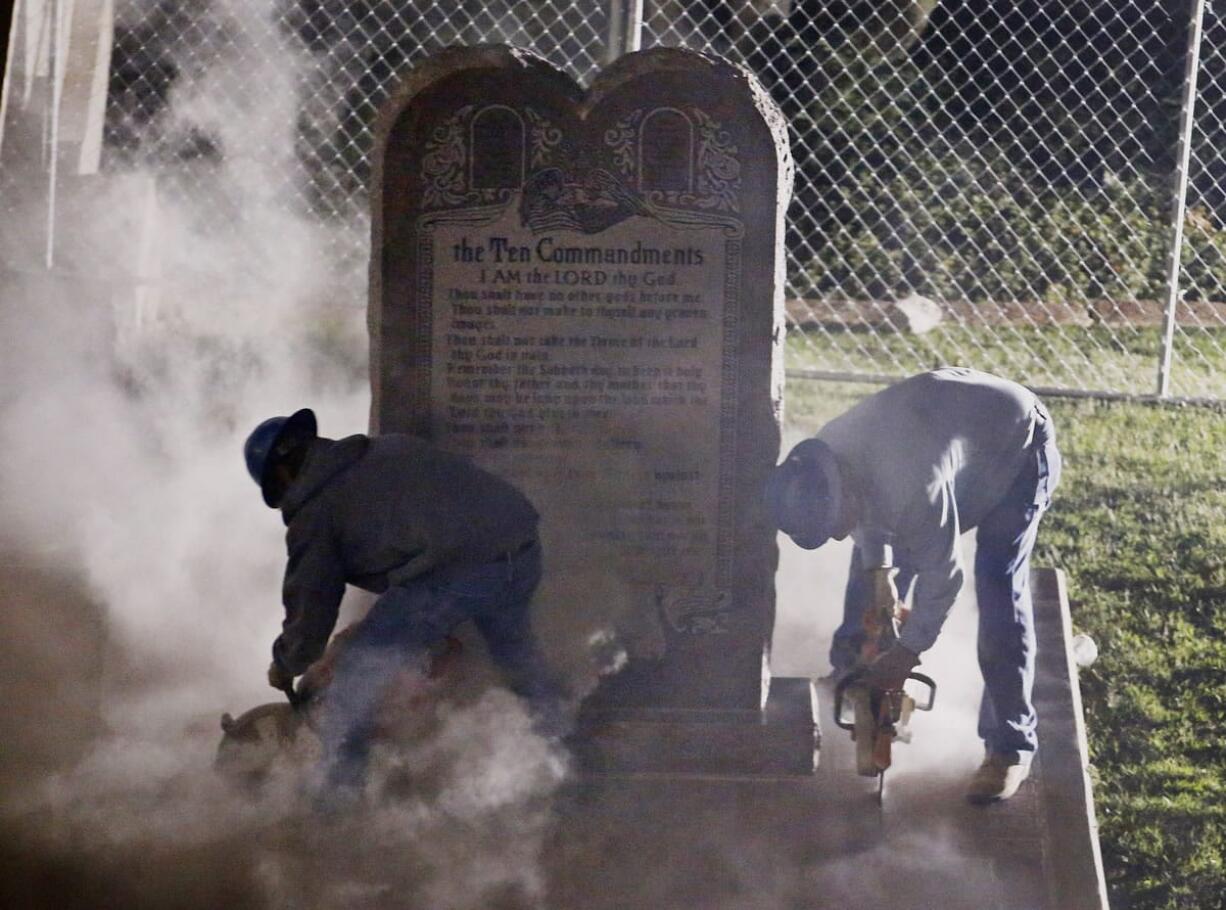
(141, 363)
(120, 456)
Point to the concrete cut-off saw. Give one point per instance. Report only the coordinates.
(878, 717)
(284, 734)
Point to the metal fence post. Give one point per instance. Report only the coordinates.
(55, 50)
(617, 30)
(625, 28)
(1178, 211)
(634, 25)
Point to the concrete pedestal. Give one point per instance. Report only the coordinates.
(824, 841)
(781, 740)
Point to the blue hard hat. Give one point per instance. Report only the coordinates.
(804, 494)
(262, 447)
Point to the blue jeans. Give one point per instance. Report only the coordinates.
(400, 628)
(1007, 720)
(1006, 646)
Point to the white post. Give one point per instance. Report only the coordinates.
(1186, 121)
(57, 52)
(634, 25)
(9, 69)
(617, 30)
(87, 66)
(625, 28)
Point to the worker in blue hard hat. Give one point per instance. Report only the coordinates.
(438, 538)
(905, 473)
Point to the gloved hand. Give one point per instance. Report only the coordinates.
(279, 678)
(890, 668)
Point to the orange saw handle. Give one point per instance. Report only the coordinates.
(856, 675)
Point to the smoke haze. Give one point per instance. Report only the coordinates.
(142, 573)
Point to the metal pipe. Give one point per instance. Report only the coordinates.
(617, 30)
(625, 28)
(58, 64)
(1179, 209)
(6, 78)
(1046, 391)
(634, 26)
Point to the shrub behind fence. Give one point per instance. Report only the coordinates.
(1047, 172)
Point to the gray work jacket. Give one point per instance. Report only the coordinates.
(930, 457)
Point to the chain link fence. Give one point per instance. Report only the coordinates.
(178, 68)
(996, 184)
(1015, 164)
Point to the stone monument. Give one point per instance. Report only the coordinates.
(583, 292)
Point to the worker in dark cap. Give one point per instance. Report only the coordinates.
(906, 472)
(440, 540)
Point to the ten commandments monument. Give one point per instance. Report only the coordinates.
(582, 291)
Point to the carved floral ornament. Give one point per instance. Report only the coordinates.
(718, 182)
(443, 165)
(446, 166)
(714, 168)
(544, 139)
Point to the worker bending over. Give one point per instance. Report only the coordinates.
(906, 472)
(439, 539)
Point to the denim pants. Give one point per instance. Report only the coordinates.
(398, 632)
(1006, 645)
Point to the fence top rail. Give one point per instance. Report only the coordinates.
(1045, 391)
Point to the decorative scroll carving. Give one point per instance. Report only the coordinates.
(449, 173)
(622, 138)
(545, 138)
(719, 170)
(718, 183)
(443, 168)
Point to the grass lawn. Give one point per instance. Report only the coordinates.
(1139, 525)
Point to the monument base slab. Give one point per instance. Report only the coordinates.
(781, 740)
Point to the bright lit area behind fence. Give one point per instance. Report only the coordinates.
(1036, 188)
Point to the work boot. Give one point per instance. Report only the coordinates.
(997, 778)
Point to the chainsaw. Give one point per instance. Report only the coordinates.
(877, 717)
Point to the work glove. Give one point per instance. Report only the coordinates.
(890, 668)
(280, 678)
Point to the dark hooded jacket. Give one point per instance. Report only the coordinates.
(379, 512)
